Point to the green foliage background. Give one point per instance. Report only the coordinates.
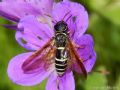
(104, 26)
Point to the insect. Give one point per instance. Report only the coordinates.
(59, 51)
(61, 56)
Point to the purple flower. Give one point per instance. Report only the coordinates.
(34, 22)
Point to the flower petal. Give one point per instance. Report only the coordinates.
(67, 82)
(66, 0)
(20, 8)
(17, 10)
(52, 82)
(16, 74)
(76, 13)
(27, 45)
(12, 27)
(9, 16)
(90, 63)
(86, 51)
(45, 6)
(35, 33)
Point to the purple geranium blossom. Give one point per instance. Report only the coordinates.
(34, 23)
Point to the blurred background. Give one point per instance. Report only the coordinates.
(104, 26)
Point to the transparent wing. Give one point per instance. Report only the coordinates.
(41, 58)
(74, 60)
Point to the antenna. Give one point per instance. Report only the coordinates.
(66, 15)
(68, 18)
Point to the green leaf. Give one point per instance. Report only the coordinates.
(96, 81)
(112, 12)
(117, 87)
(109, 10)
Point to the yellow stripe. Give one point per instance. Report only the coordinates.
(61, 48)
(60, 59)
(60, 69)
(61, 64)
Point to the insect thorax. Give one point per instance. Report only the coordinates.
(61, 40)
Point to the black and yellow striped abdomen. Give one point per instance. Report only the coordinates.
(61, 61)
